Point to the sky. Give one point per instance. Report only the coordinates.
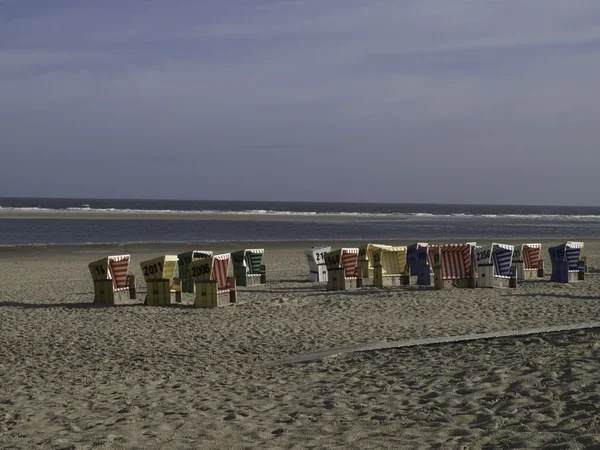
(434, 101)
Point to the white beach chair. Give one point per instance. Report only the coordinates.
(183, 261)
(159, 274)
(316, 263)
(453, 265)
(566, 262)
(213, 286)
(111, 279)
(248, 268)
(342, 272)
(527, 261)
(494, 263)
(390, 267)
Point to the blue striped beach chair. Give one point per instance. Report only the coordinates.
(494, 263)
(418, 261)
(566, 262)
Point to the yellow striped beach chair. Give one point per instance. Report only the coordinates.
(390, 267)
(159, 274)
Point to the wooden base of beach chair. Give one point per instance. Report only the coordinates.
(320, 276)
(486, 276)
(159, 293)
(364, 271)
(562, 274)
(440, 283)
(531, 274)
(104, 293)
(208, 294)
(540, 270)
(380, 280)
(187, 285)
(519, 269)
(250, 280)
(338, 282)
(584, 264)
(131, 284)
(391, 281)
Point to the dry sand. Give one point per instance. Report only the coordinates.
(73, 375)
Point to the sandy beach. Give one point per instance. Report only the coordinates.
(78, 376)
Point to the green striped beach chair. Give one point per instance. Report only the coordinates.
(183, 261)
(248, 268)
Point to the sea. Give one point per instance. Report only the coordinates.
(297, 221)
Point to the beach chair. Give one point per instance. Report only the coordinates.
(342, 273)
(453, 265)
(390, 267)
(365, 259)
(566, 262)
(247, 267)
(159, 274)
(213, 286)
(527, 261)
(183, 261)
(111, 279)
(494, 263)
(316, 263)
(418, 261)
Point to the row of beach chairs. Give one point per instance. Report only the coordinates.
(444, 266)
(200, 272)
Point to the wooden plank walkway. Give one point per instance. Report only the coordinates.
(319, 355)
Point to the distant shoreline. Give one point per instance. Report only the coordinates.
(67, 250)
(119, 215)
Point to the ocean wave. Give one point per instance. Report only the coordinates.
(86, 209)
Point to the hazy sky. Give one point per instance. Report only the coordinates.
(462, 101)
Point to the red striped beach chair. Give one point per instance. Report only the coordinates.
(161, 282)
(342, 272)
(110, 279)
(527, 261)
(213, 286)
(452, 265)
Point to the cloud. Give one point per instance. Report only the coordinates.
(296, 87)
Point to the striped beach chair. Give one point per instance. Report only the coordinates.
(365, 259)
(213, 286)
(527, 261)
(161, 282)
(316, 263)
(418, 261)
(183, 262)
(494, 263)
(342, 272)
(390, 267)
(566, 262)
(248, 268)
(453, 265)
(110, 278)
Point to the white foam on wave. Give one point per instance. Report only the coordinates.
(86, 209)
